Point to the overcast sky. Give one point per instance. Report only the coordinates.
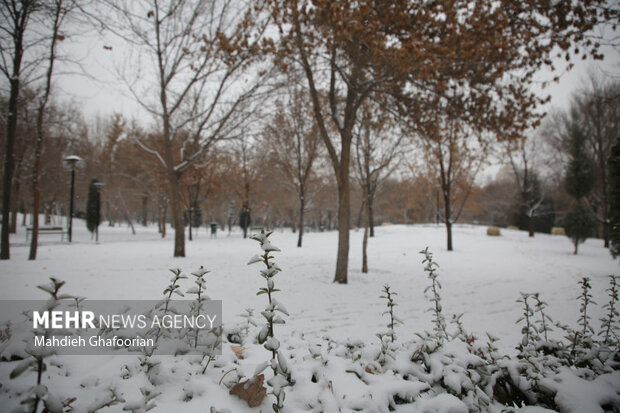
(102, 93)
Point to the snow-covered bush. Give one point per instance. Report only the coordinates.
(446, 370)
(281, 374)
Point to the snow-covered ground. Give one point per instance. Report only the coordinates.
(482, 278)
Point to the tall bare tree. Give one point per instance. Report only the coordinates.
(524, 156)
(199, 78)
(293, 140)
(598, 105)
(15, 16)
(378, 151)
(455, 154)
(54, 14)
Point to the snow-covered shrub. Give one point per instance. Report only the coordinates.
(609, 330)
(36, 359)
(435, 299)
(281, 374)
(393, 320)
(545, 368)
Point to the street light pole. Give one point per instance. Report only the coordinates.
(71, 203)
(70, 163)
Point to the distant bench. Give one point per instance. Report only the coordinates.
(48, 230)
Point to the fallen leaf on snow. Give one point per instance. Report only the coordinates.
(238, 350)
(251, 390)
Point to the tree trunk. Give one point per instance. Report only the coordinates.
(606, 230)
(448, 220)
(145, 200)
(164, 212)
(175, 198)
(129, 221)
(35, 187)
(576, 247)
(9, 163)
(108, 209)
(371, 213)
(365, 240)
(15, 207)
(530, 225)
(301, 220)
(344, 215)
(360, 214)
(177, 218)
(364, 248)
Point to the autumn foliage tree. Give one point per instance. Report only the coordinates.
(478, 56)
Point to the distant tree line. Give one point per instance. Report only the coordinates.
(354, 114)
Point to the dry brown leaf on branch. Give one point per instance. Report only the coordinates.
(251, 390)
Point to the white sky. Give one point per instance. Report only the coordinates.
(102, 93)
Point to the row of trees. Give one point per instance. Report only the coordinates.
(282, 176)
(248, 95)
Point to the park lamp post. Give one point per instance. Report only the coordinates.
(98, 185)
(70, 162)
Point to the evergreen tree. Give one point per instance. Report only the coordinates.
(580, 176)
(614, 196)
(579, 222)
(93, 207)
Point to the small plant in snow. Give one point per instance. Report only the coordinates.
(196, 307)
(438, 318)
(608, 327)
(586, 299)
(199, 290)
(281, 374)
(542, 325)
(389, 297)
(172, 288)
(528, 331)
(38, 355)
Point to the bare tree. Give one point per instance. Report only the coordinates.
(294, 147)
(524, 156)
(598, 105)
(455, 154)
(200, 79)
(245, 159)
(15, 16)
(378, 150)
(55, 13)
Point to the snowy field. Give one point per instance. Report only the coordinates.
(482, 279)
